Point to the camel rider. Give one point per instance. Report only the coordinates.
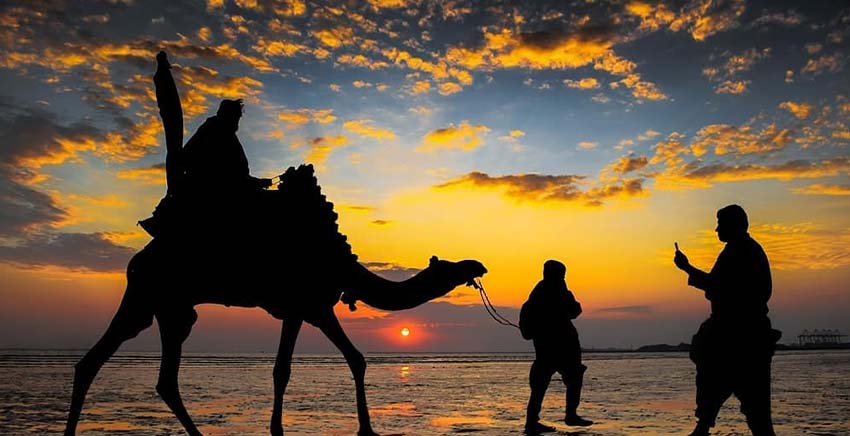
(213, 159)
(209, 175)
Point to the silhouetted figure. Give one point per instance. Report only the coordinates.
(734, 346)
(546, 318)
(297, 267)
(213, 158)
(208, 179)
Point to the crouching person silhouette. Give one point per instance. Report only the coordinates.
(546, 318)
(734, 346)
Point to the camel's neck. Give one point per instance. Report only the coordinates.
(433, 282)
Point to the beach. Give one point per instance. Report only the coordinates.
(412, 394)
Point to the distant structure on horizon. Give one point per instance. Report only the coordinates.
(820, 337)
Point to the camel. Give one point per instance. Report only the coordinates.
(297, 270)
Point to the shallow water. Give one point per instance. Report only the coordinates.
(420, 394)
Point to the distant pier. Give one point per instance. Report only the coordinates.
(820, 337)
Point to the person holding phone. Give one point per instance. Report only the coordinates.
(734, 347)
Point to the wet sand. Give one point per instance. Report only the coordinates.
(421, 394)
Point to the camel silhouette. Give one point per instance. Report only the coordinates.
(296, 268)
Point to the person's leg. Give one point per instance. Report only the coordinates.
(573, 378)
(713, 389)
(538, 379)
(753, 392)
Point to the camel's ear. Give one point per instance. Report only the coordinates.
(433, 261)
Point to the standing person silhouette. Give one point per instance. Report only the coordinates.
(546, 318)
(733, 348)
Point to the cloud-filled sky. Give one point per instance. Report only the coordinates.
(596, 133)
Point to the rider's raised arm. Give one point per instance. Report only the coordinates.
(171, 113)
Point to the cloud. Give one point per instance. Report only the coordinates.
(362, 128)
(732, 87)
(440, 71)
(33, 138)
(295, 118)
(335, 37)
(538, 187)
(627, 164)
(700, 18)
(420, 87)
(391, 271)
(553, 49)
(832, 63)
(795, 169)
(149, 175)
(629, 310)
(800, 110)
(464, 137)
(23, 209)
(727, 139)
(823, 189)
(74, 251)
(319, 148)
(360, 60)
(641, 89)
(652, 16)
(587, 145)
(586, 83)
(449, 88)
(704, 18)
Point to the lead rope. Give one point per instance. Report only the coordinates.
(488, 305)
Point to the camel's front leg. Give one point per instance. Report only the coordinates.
(282, 370)
(331, 328)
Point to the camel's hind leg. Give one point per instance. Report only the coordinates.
(133, 316)
(282, 370)
(174, 328)
(329, 325)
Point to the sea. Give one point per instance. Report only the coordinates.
(408, 394)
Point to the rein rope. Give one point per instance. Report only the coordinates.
(488, 305)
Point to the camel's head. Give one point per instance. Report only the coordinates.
(463, 272)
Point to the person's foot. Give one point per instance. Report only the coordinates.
(537, 428)
(577, 421)
(700, 430)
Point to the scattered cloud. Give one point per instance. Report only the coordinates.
(149, 175)
(832, 63)
(464, 136)
(74, 251)
(726, 139)
(319, 148)
(586, 83)
(537, 187)
(732, 87)
(363, 128)
(627, 164)
(824, 189)
(295, 118)
(800, 110)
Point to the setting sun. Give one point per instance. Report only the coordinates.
(405, 332)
